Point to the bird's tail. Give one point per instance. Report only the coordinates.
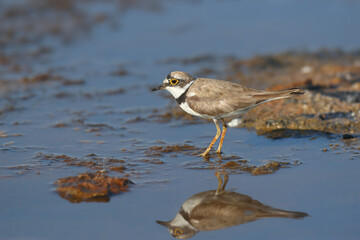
(293, 91)
(266, 96)
(273, 212)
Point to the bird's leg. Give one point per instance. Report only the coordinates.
(221, 185)
(226, 179)
(222, 136)
(218, 132)
(218, 176)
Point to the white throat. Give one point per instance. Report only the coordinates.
(177, 91)
(191, 203)
(179, 221)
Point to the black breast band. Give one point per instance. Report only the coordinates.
(182, 97)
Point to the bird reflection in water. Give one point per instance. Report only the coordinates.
(217, 209)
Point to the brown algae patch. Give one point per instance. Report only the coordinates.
(245, 166)
(349, 144)
(91, 161)
(230, 163)
(237, 166)
(159, 151)
(91, 187)
(268, 168)
(21, 170)
(4, 134)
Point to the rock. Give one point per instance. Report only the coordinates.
(91, 187)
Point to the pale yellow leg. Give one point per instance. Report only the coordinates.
(222, 136)
(218, 132)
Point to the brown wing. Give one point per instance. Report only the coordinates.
(215, 97)
(231, 208)
(218, 215)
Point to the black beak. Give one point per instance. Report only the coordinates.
(158, 88)
(165, 224)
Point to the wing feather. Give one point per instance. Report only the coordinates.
(215, 97)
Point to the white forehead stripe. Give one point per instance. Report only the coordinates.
(177, 76)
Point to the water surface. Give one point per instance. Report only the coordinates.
(110, 115)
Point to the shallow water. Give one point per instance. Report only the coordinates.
(77, 120)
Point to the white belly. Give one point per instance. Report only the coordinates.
(185, 106)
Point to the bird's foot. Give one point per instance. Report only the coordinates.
(204, 154)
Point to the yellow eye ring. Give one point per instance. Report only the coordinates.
(174, 81)
(178, 232)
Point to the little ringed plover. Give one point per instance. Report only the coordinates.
(216, 99)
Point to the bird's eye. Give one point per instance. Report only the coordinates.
(178, 232)
(174, 81)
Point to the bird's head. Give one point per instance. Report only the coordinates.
(180, 227)
(176, 83)
(182, 231)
